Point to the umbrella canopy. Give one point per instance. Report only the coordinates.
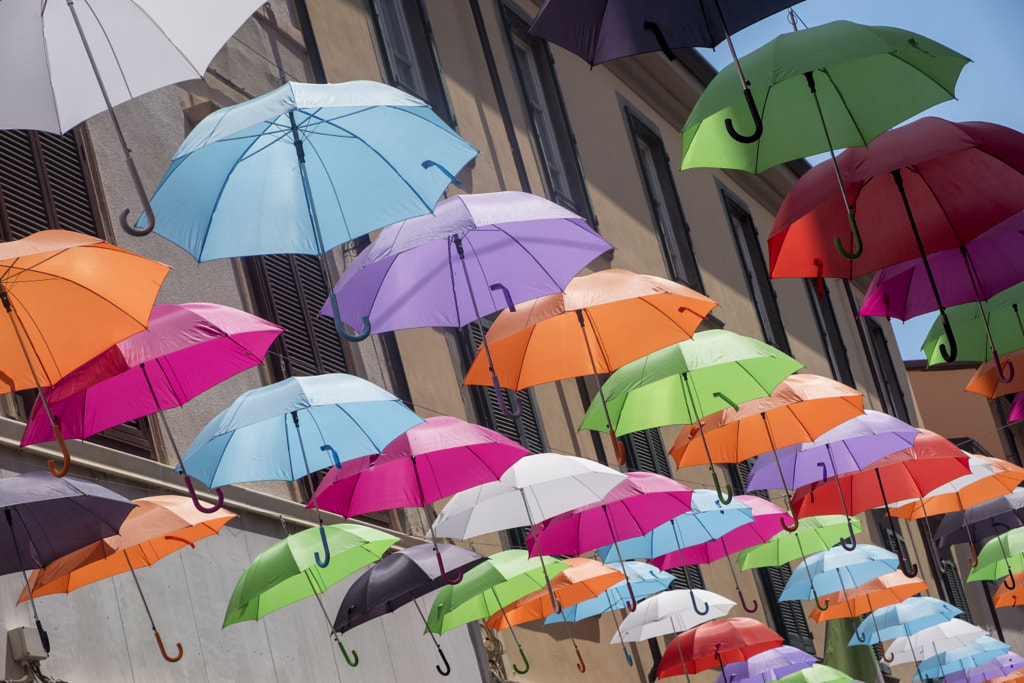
(957, 659)
(986, 381)
(643, 578)
(285, 572)
(492, 250)
(770, 665)
(817, 673)
(364, 141)
(435, 459)
(995, 322)
(814, 535)
(716, 643)
(827, 87)
(904, 618)
(1002, 669)
(671, 612)
(927, 642)
(1010, 597)
(1002, 555)
(980, 521)
(589, 328)
(837, 568)
(885, 590)
(989, 478)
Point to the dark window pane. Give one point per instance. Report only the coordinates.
(892, 393)
(831, 337)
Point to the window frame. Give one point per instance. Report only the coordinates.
(831, 336)
(891, 390)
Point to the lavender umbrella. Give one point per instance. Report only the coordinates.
(1003, 665)
(476, 254)
(767, 666)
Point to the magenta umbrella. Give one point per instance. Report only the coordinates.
(643, 501)
(187, 349)
(433, 460)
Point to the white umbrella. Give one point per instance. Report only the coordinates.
(64, 66)
(931, 641)
(671, 612)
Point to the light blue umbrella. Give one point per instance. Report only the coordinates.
(838, 569)
(904, 619)
(973, 654)
(290, 429)
(306, 168)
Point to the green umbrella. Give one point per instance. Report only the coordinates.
(488, 587)
(1002, 555)
(686, 382)
(816, 673)
(286, 571)
(1005, 313)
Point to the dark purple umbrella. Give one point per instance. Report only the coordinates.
(983, 521)
(601, 30)
(399, 579)
(1003, 665)
(49, 517)
(770, 665)
(476, 254)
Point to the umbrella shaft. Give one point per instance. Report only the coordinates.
(17, 555)
(775, 454)
(141, 594)
(163, 417)
(898, 178)
(593, 368)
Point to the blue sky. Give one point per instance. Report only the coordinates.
(991, 88)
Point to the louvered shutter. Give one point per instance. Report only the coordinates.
(686, 577)
(645, 452)
(955, 593)
(894, 544)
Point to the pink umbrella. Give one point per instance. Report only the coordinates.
(431, 461)
(643, 501)
(1017, 409)
(187, 349)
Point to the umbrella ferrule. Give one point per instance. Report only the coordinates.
(5, 299)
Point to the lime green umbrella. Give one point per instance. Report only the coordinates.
(1002, 555)
(686, 382)
(1005, 312)
(816, 673)
(286, 571)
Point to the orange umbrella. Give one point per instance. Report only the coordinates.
(887, 589)
(598, 324)
(159, 526)
(68, 298)
(989, 478)
(1005, 597)
(987, 383)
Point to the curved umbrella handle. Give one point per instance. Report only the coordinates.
(327, 552)
(974, 556)
(618, 447)
(660, 37)
(743, 601)
(758, 123)
(59, 436)
(727, 498)
(352, 661)
(720, 395)
(430, 162)
(1013, 582)
(693, 599)
(146, 208)
(163, 651)
(195, 498)
(181, 540)
(1007, 378)
(861, 638)
(511, 305)
(447, 667)
(852, 539)
(582, 666)
(334, 454)
(510, 414)
(444, 575)
(526, 663)
(629, 660)
(817, 600)
(948, 355)
(796, 520)
(912, 572)
(888, 658)
(631, 603)
(858, 246)
(339, 327)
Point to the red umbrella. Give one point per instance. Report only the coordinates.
(717, 643)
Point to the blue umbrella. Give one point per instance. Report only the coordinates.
(904, 618)
(262, 435)
(973, 654)
(837, 569)
(306, 168)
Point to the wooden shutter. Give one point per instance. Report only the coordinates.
(645, 452)
(954, 588)
(686, 577)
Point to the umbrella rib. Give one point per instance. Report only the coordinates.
(846, 107)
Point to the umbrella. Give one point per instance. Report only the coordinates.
(671, 612)
(977, 652)
(485, 589)
(766, 666)
(913, 195)
(887, 589)
(376, 156)
(929, 641)
(261, 436)
(817, 673)
(1002, 555)
(716, 643)
(187, 349)
(976, 523)
(475, 255)
(433, 460)
(989, 478)
(48, 518)
(104, 293)
(904, 619)
(814, 535)
(110, 54)
(836, 569)
(283, 574)
(589, 329)
(999, 670)
(398, 579)
(686, 382)
(983, 327)
(535, 488)
(159, 526)
(1016, 409)
(634, 507)
(800, 409)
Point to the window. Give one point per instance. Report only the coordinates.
(554, 141)
(687, 577)
(645, 452)
(889, 383)
(410, 62)
(893, 543)
(46, 182)
(659, 185)
(756, 271)
(831, 337)
(952, 586)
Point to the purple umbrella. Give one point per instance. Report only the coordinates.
(399, 579)
(1003, 665)
(187, 349)
(48, 518)
(770, 665)
(476, 254)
